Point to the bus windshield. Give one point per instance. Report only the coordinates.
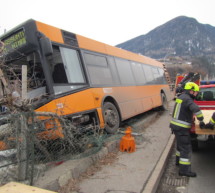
(64, 71)
(36, 82)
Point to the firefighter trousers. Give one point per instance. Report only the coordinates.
(184, 148)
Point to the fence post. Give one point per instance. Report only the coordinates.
(22, 149)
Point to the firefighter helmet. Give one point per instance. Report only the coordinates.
(191, 86)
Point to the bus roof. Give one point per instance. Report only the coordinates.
(57, 35)
(86, 43)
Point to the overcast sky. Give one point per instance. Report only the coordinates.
(108, 21)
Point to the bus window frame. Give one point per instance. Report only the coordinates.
(107, 66)
(83, 70)
(111, 63)
(133, 67)
(67, 68)
(120, 71)
(114, 70)
(151, 81)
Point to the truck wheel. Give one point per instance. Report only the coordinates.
(164, 105)
(111, 117)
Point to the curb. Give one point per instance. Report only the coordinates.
(154, 179)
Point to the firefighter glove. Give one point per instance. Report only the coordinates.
(209, 126)
(202, 124)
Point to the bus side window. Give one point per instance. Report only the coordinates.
(57, 67)
(125, 72)
(98, 69)
(148, 72)
(162, 78)
(113, 70)
(138, 73)
(59, 74)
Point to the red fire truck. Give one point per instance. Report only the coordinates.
(206, 101)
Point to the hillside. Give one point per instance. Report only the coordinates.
(182, 36)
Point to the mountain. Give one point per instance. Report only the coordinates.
(181, 36)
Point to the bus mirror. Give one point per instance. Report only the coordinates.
(46, 46)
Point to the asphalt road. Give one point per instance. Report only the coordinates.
(203, 162)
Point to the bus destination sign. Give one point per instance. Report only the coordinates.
(14, 41)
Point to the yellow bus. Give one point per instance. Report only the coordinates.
(81, 79)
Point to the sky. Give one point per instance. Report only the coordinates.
(108, 21)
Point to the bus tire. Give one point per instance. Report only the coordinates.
(111, 118)
(164, 105)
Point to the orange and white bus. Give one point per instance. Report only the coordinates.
(81, 79)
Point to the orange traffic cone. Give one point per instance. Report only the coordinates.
(127, 142)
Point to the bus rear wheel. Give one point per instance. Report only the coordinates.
(111, 117)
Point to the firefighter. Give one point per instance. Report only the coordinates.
(211, 123)
(180, 124)
(179, 90)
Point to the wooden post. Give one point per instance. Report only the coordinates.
(22, 149)
(4, 82)
(24, 82)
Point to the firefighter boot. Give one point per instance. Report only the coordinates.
(185, 170)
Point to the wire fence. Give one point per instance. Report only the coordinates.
(31, 140)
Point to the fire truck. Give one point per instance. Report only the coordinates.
(205, 100)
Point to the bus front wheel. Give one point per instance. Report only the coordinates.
(111, 117)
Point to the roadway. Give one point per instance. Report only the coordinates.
(203, 163)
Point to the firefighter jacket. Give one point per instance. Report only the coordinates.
(212, 120)
(183, 112)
